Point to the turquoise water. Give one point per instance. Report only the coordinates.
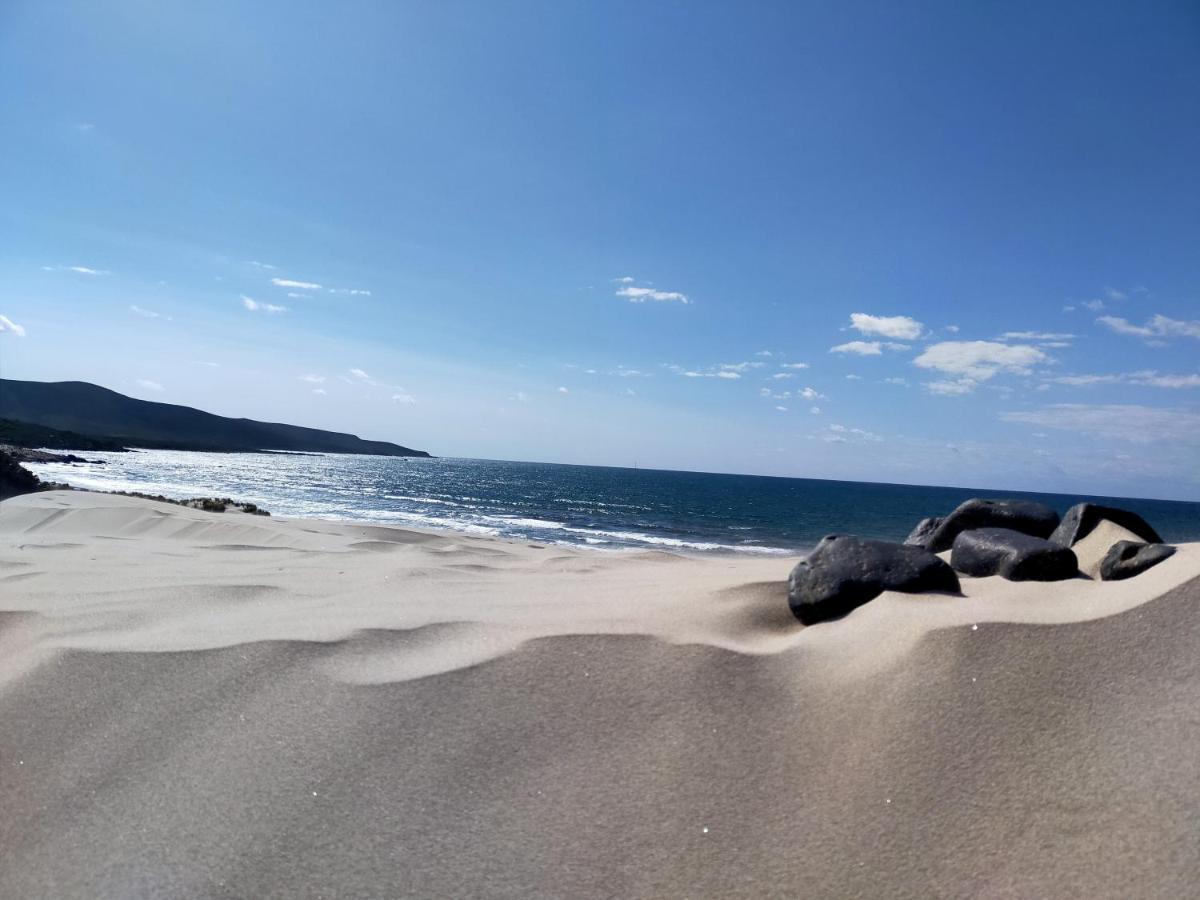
(599, 507)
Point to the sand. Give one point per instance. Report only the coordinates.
(203, 704)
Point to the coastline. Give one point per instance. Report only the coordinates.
(429, 714)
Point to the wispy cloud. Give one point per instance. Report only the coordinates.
(313, 379)
(840, 434)
(299, 285)
(900, 328)
(320, 391)
(267, 267)
(1036, 336)
(1116, 421)
(971, 362)
(563, 390)
(8, 326)
(634, 294)
(362, 377)
(402, 396)
(351, 292)
(1146, 377)
(793, 365)
(1159, 326)
(861, 348)
(79, 270)
(147, 313)
(254, 306)
(810, 394)
(150, 385)
(779, 376)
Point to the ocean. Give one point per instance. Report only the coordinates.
(592, 506)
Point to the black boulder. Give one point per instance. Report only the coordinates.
(844, 572)
(1082, 518)
(920, 535)
(1128, 558)
(1012, 555)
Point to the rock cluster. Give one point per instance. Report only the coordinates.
(1020, 540)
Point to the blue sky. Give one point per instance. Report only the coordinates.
(935, 242)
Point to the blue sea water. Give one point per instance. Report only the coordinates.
(604, 508)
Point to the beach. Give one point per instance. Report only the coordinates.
(227, 705)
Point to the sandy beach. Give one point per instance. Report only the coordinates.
(225, 705)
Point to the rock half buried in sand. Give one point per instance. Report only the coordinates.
(1083, 517)
(1012, 555)
(1128, 558)
(920, 535)
(1091, 550)
(1025, 516)
(844, 572)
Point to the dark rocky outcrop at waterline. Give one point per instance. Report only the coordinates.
(1012, 555)
(844, 572)
(1125, 559)
(1025, 516)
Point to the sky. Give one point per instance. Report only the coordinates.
(934, 243)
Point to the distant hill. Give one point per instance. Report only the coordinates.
(101, 414)
(26, 434)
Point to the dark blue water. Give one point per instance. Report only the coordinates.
(599, 507)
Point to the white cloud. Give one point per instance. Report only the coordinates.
(1158, 326)
(1114, 294)
(1068, 308)
(810, 394)
(853, 377)
(321, 391)
(903, 382)
(815, 410)
(313, 379)
(624, 279)
(403, 397)
(764, 392)
(299, 285)
(793, 365)
(85, 270)
(779, 376)
(261, 265)
(150, 385)
(862, 348)
(975, 361)
(764, 353)
(953, 329)
(642, 294)
(351, 292)
(729, 373)
(563, 390)
(8, 325)
(254, 306)
(840, 434)
(901, 328)
(362, 376)
(1036, 336)
(781, 408)
(1094, 305)
(1126, 422)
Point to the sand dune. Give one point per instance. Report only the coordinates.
(201, 704)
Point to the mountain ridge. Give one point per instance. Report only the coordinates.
(101, 413)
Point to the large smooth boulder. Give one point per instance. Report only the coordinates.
(15, 479)
(1024, 516)
(1128, 558)
(1082, 518)
(844, 572)
(1012, 555)
(920, 535)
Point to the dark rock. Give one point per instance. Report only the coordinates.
(15, 479)
(1082, 518)
(1025, 516)
(1128, 558)
(844, 572)
(919, 536)
(1012, 555)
